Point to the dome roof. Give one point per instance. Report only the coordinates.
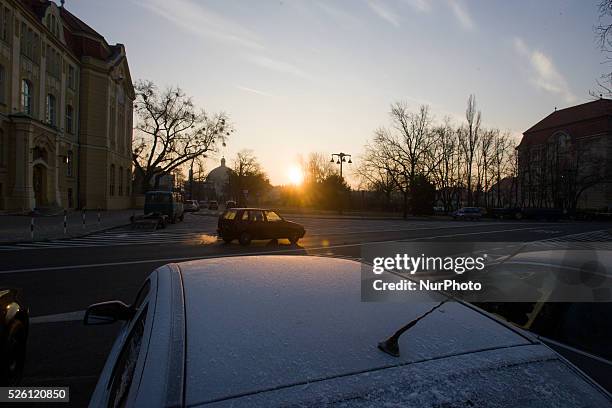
(219, 174)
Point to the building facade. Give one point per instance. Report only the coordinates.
(66, 100)
(565, 160)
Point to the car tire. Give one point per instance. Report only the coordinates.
(227, 240)
(182, 217)
(245, 239)
(294, 239)
(14, 350)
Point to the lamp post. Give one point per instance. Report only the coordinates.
(341, 158)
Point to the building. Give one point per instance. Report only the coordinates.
(218, 182)
(565, 160)
(65, 111)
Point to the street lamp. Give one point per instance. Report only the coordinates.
(341, 158)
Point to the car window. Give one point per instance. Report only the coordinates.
(271, 216)
(256, 215)
(245, 216)
(230, 215)
(123, 373)
(142, 294)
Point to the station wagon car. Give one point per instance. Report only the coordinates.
(273, 331)
(247, 224)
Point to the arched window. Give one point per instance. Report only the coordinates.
(112, 180)
(26, 96)
(120, 181)
(69, 125)
(50, 110)
(69, 158)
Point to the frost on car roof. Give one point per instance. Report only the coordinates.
(529, 376)
(259, 323)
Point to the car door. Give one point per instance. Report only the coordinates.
(257, 224)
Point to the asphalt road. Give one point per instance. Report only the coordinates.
(60, 279)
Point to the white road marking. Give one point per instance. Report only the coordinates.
(191, 258)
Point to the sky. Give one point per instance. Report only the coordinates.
(319, 76)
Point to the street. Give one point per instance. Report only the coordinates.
(61, 278)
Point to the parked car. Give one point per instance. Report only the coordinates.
(203, 204)
(213, 205)
(192, 206)
(166, 203)
(468, 213)
(507, 213)
(247, 224)
(14, 323)
(273, 331)
(230, 204)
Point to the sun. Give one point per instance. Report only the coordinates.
(296, 176)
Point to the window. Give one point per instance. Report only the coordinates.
(271, 216)
(2, 85)
(71, 77)
(123, 372)
(69, 159)
(245, 216)
(26, 97)
(230, 215)
(120, 181)
(69, 125)
(112, 180)
(50, 116)
(6, 20)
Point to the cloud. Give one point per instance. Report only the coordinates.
(544, 73)
(194, 17)
(255, 91)
(383, 12)
(461, 14)
(339, 14)
(278, 66)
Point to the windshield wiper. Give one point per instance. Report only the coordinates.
(391, 346)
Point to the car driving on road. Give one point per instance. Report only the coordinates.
(291, 331)
(192, 206)
(468, 213)
(247, 224)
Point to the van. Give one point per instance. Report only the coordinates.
(166, 203)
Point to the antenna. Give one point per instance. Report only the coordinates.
(62, 3)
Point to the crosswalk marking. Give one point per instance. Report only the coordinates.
(120, 237)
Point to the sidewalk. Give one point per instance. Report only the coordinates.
(16, 228)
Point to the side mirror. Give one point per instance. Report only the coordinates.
(107, 312)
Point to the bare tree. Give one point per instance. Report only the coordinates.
(247, 177)
(171, 131)
(446, 173)
(603, 31)
(469, 139)
(377, 172)
(317, 167)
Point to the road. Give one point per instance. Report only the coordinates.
(61, 278)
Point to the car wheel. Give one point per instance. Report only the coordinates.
(294, 239)
(245, 238)
(518, 216)
(227, 240)
(182, 217)
(15, 347)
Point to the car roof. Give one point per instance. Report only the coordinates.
(270, 323)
